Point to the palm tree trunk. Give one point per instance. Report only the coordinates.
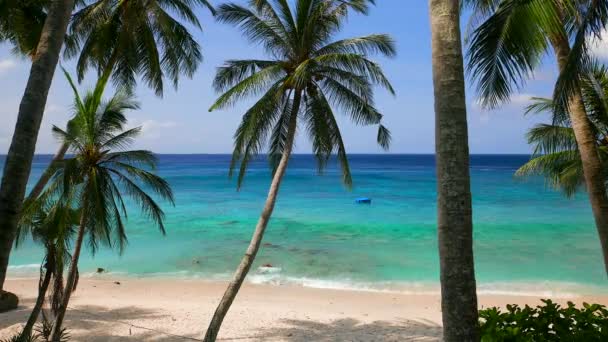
(42, 289)
(586, 142)
(69, 285)
(454, 211)
(21, 152)
(258, 234)
(48, 173)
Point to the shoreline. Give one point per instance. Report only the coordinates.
(125, 308)
(272, 277)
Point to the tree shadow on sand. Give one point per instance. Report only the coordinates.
(349, 329)
(99, 324)
(18, 315)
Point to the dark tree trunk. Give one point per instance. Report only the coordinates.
(454, 212)
(21, 152)
(71, 280)
(258, 234)
(42, 289)
(586, 142)
(48, 173)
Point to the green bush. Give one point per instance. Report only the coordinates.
(548, 322)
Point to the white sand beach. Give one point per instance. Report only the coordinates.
(159, 309)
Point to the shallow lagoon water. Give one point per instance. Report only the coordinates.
(528, 238)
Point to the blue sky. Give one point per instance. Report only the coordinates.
(180, 122)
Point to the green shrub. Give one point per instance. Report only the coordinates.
(548, 322)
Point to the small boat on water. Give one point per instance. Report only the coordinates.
(363, 200)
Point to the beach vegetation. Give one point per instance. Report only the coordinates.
(309, 78)
(547, 322)
(556, 155)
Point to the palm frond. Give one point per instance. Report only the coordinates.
(504, 50)
(594, 19)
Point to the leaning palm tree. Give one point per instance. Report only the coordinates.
(308, 78)
(103, 34)
(454, 210)
(51, 223)
(18, 161)
(100, 174)
(556, 155)
(510, 44)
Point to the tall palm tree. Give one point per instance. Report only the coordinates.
(100, 174)
(556, 155)
(103, 34)
(52, 223)
(309, 76)
(454, 211)
(509, 45)
(18, 161)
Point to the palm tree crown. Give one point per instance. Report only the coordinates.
(101, 171)
(306, 65)
(556, 155)
(137, 37)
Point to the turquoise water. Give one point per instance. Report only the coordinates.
(527, 237)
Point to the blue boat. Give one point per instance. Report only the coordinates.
(363, 200)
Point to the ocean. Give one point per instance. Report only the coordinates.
(528, 238)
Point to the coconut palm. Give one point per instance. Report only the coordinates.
(454, 211)
(307, 79)
(141, 38)
(509, 45)
(100, 174)
(21, 151)
(51, 223)
(556, 155)
(103, 33)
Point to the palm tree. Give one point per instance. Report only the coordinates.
(309, 77)
(100, 174)
(556, 155)
(103, 33)
(454, 211)
(52, 224)
(21, 24)
(21, 151)
(137, 38)
(510, 44)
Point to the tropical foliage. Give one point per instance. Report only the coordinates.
(149, 39)
(21, 24)
(556, 155)
(547, 322)
(324, 75)
(100, 173)
(52, 224)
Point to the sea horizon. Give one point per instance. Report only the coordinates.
(319, 237)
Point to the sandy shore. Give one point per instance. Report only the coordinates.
(157, 310)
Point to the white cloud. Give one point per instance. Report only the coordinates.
(6, 65)
(522, 99)
(153, 129)
(516, 101)
(599, 46)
